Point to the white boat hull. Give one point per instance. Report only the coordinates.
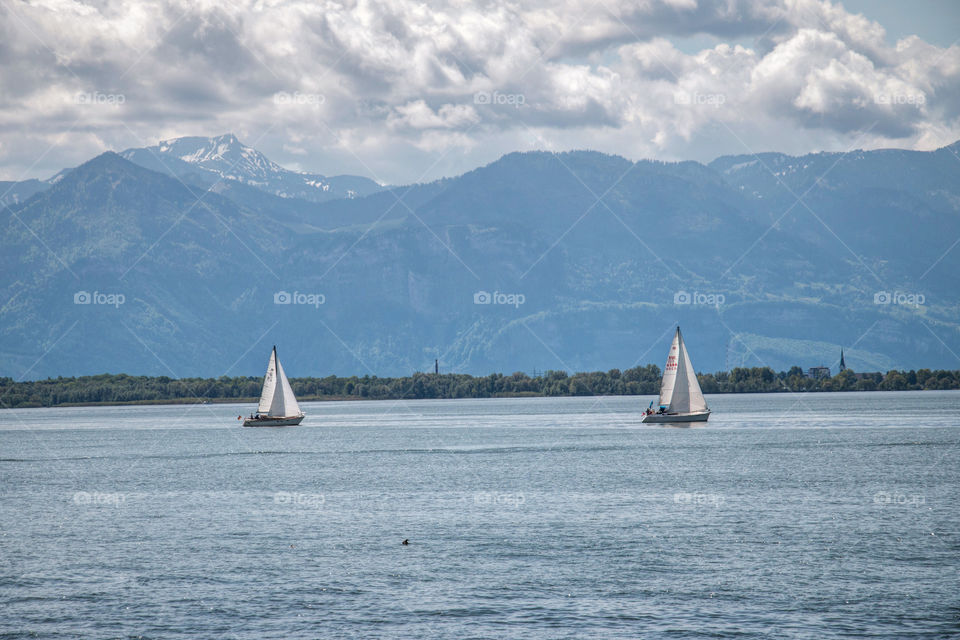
(273, 422)
(661, 418)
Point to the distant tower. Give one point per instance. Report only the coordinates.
(436, 365)
(843, 365)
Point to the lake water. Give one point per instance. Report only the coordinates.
(808, 516)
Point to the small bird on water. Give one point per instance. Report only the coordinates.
(405, 541)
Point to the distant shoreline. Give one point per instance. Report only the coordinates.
(126, 390)
(253, 401)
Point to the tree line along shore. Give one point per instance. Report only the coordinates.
(127, 389)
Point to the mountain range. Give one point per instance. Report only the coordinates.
(193, 257)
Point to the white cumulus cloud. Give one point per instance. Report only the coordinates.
(403, 90)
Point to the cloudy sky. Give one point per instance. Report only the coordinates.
(404, 91)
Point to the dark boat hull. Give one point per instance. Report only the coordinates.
(273, 422)
(663, 418)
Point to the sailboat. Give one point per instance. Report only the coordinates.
(680, 397)
(278, 406)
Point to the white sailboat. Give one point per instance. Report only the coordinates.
(680, 397)
(278, 406)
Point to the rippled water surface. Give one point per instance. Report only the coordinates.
(811, 516)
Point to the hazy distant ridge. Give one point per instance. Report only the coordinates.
(755, 276)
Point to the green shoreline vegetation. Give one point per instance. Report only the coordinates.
(120, 389)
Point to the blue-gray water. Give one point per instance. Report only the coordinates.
(813, 516)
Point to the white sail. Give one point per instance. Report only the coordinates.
(289, 401)
(670, 372)
(269, 385)
(695, 400)
(277, 397)
(680, 391)
(680, 400)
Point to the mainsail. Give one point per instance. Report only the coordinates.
(680, 391)
(277, 397)
(670, 371)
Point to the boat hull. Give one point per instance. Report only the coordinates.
(273, 422)
(664, 418)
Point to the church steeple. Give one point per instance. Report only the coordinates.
(843, 365)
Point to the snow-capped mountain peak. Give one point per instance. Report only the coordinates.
(229, 159)
(225, 155)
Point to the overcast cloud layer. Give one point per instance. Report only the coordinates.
(405, 91)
